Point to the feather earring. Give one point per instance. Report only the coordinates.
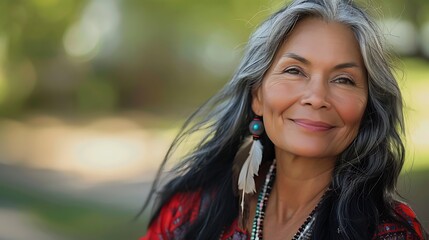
(250, 168)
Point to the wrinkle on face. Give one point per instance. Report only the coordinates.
(326, 56)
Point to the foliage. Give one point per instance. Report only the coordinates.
(159, 56)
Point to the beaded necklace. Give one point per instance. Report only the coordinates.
(306, 229)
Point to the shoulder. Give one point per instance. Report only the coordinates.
(399, 230)
(176, 215)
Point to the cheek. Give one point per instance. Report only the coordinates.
(279, 96)
(351, 111)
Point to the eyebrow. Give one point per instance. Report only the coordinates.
(305, 61)
(296, 57)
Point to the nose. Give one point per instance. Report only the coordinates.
(316, 94)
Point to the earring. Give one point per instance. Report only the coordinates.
(250, 168)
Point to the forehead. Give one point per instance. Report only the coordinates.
(323, 41)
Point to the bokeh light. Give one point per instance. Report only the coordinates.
(92, 92)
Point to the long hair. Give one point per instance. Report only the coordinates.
(367, 170)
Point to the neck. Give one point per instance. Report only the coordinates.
(300, 183)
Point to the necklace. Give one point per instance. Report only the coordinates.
(306, 229)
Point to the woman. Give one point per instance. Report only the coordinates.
(316, 76)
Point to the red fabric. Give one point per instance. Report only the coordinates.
(389, 230)
(175, 214)
(184, 208)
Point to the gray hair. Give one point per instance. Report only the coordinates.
(373, 160)
(385, 98)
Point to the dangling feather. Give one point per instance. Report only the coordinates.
(239, 159)
(250, 168)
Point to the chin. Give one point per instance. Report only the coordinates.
(309, 151)
(311, 154)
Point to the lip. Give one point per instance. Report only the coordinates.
(316, 126)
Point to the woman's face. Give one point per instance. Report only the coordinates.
(314, 95)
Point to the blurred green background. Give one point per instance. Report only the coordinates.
(93, 91)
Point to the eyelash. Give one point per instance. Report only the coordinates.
(348, 81)
(296, 71)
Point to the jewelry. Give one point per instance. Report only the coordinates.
(258, 220)
(250, 168)
(306, 229)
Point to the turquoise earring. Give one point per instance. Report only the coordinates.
(250, 168)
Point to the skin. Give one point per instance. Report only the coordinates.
(312, 100)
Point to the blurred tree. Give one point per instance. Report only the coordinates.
(32, 31)
(414, 11)
(155, 55)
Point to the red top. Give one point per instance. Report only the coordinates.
(176, 216)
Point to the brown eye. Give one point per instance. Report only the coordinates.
(344, 80)
(293, 71)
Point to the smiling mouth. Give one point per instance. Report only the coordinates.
(316, 126)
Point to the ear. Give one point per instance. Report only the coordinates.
(257, 101)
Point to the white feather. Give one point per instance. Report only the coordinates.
(250, 168)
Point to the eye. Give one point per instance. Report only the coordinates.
(293, 71)
(344, 80)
